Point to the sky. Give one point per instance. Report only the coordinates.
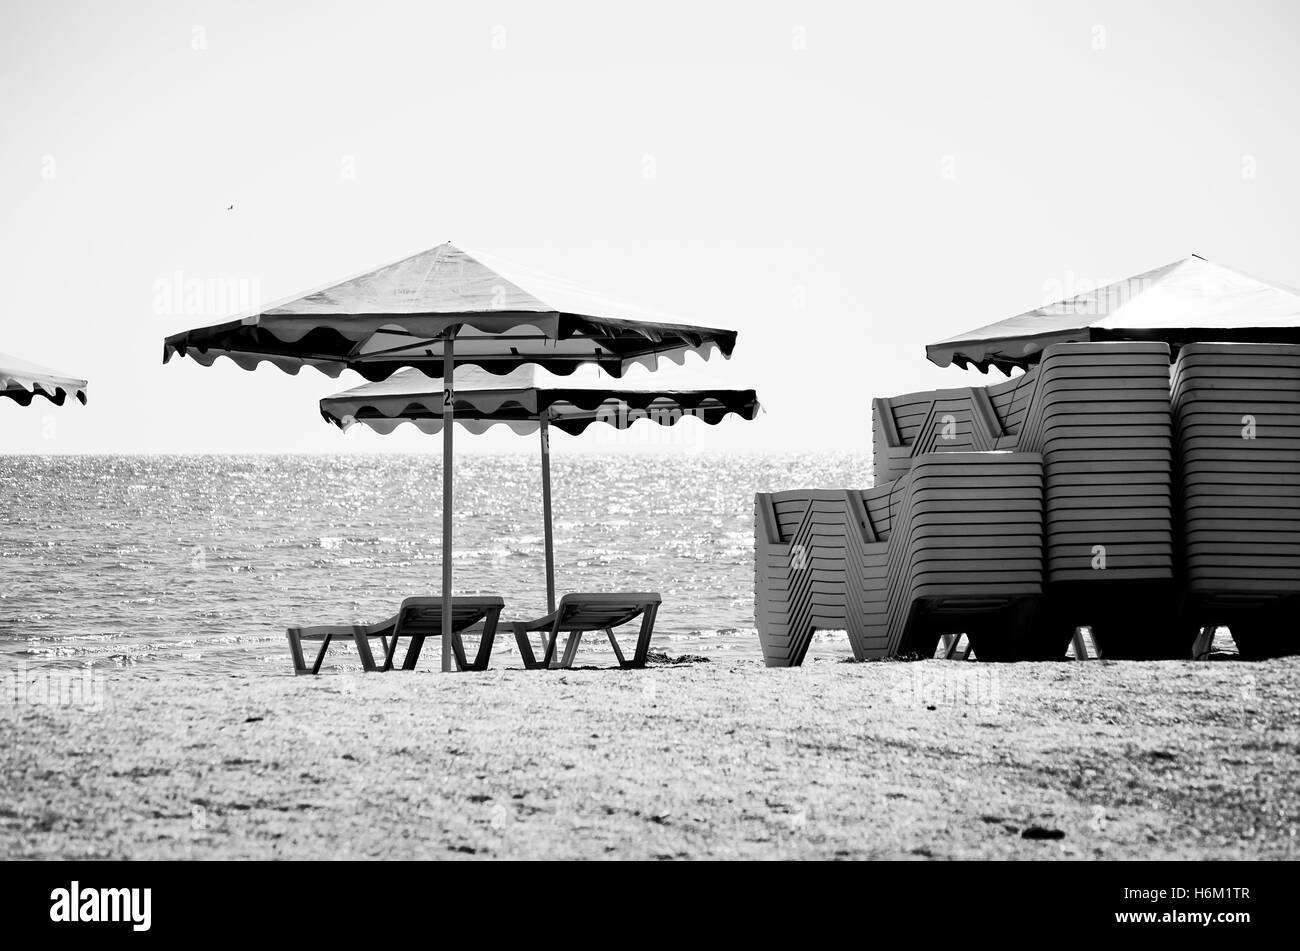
(841, 183)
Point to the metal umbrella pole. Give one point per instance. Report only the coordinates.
(448, 420)
(546, 513)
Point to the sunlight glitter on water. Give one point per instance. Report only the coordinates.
(204, 560)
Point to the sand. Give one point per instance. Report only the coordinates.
(932, 759)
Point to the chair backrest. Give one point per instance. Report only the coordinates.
(422, 617)
(595, 612)
(969, 419)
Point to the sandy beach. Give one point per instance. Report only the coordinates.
(931, 759)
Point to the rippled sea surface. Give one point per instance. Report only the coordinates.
(200, 562)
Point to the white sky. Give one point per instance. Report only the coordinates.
(914, 170)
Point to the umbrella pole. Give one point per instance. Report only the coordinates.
(448, 418)
(546, 515)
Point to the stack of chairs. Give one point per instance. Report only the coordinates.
(955, 545)
(1237, 412)
(1100, 415)
(812, 548)
(969, 419)
(965, 552)
(1095, 420)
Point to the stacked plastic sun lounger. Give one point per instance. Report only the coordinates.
(1237, 408)
(965, 552)
(953, 546)
(1095, 419)
(814, 549)
(1170, 499)
(1100, 415)
(969, 419)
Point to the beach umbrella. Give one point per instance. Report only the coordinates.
(444, 308)
(22, 382)
(1184, 302)
(531, 400)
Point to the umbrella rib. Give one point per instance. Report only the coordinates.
(398, 349)
(267, 352)
(353, 355)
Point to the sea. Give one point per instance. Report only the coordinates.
(197, 564)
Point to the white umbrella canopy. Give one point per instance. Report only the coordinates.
(405, 314)
(531, 399)
(22, 382)
(1186, 301)
(440, 309)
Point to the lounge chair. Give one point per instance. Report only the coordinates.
(581, 613)
(417, 619)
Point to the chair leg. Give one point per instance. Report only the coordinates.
(525, 646)
(548, 657)
(1204, 643)
(295, 651)
(413, 653)
(458, 652)
(324, 646)
(484, 655)
(643, 640)
(363, 649)
(618, 651)
(1080, 648)
(571, 649)
(390, 651)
